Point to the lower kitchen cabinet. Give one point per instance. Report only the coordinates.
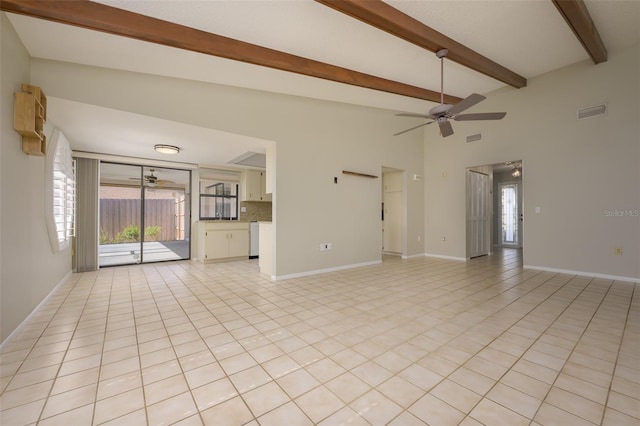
(220, 241)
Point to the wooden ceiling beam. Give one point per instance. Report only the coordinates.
(389, 19)
(577, 16)
(100, 17)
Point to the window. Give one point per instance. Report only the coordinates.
(60, 192)
(218, 200)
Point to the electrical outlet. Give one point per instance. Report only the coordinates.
(325, 246)
(617, 251)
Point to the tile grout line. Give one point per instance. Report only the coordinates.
(475, 354)
(272, 380)
(68, 345)
(468, 414)
(586, 327)
(615, 365)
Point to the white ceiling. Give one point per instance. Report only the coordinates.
(527, 36)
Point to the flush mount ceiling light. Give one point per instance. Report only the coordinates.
(166, 149)
(517, 171)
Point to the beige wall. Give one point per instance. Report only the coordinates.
(573, 170)
(28, 268)
(315, 141)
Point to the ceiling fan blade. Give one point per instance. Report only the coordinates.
(480, 116)
(413, 128)
(406, 114)
(445, 128)
(466, 103)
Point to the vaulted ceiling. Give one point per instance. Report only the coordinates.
(369, 53)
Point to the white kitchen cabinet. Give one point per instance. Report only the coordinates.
(253, 185)
(218, 241)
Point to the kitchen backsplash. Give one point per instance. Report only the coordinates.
(256, 210)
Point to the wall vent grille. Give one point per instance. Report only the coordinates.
(474, 138)
(592, 111)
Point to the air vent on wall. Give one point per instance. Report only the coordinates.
(252, 159)
(474, 138)
(592, 111)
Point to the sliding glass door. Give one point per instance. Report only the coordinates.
(144, 214)
(166, 214)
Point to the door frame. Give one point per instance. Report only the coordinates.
(402, 208)
(519, 219)
(143, 196)
(487, 213)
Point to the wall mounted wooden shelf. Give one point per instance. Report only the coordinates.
(347, 172)
(30, 114)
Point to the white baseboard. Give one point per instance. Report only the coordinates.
(439, 256)
(26, 320)
(414, 256)
(392, 253)
(582, 273)
(323, 271)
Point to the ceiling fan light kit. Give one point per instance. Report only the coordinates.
(166, 149)
(442, 113)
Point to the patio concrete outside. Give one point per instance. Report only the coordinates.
(154, 251)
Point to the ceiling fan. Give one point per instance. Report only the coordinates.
(442, 113)
(152, 180)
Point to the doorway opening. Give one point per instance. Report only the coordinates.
(144, 214)
(478, 213)
(392, 214)
(494, 208)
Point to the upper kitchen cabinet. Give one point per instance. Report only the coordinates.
(253, 186)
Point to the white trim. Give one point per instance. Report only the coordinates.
(583, 273)
(134, 160)
(323, 271)
(24, 322)
(413, 256)
(392, 253)
(439, 256)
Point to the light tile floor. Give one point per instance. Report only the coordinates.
(406, 342)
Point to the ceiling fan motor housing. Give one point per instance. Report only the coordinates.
(439, 110)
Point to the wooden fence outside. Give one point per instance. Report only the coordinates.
(117, 214)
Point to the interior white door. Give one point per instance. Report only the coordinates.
(478, 214)
(392, 224)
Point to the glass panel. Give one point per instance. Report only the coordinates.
(509, 207)
(218, 200)
(120, 214)
(166, 214)
(144, 214)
